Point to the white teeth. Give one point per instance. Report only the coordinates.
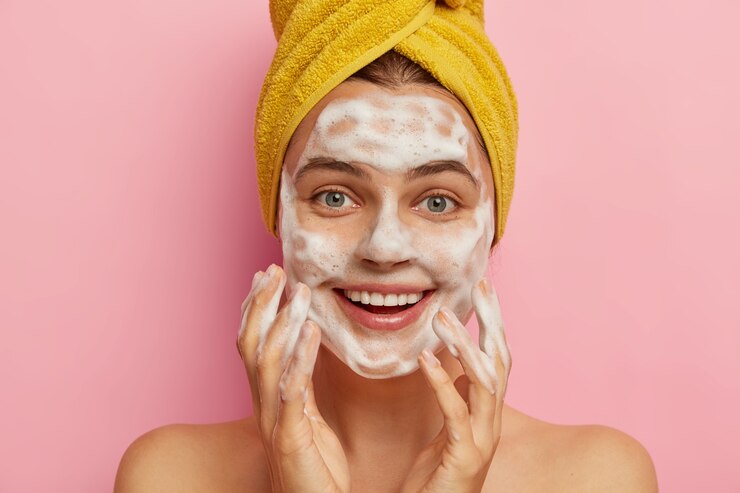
(379, 299)
(376, 299)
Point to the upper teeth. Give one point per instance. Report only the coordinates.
(378, 299)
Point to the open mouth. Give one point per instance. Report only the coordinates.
(383, 311)
(382, 303)
(395, 308)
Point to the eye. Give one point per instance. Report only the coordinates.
(437, 204)
(335, 199)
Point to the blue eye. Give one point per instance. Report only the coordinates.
(334, 199)
(437, 204)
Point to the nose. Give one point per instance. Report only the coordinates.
(387, 243)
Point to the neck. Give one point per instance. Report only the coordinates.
(378, 416)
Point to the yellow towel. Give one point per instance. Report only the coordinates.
(322, 42)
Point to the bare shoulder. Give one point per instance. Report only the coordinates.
(183, 458)
(611, 460)
(588, 458)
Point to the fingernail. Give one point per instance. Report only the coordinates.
(271, 270)
(430, 359)
(484, 286)
(257, 278)
(445, 316)
(297, 290)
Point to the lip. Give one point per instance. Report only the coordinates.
(379, 321)
(386, 288)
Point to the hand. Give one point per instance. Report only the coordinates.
(458, 459)
(279, 351)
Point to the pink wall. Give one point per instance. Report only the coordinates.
(131, 228)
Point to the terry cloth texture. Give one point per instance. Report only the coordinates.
(322, 42)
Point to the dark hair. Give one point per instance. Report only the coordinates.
(393, 70)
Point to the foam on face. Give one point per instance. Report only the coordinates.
(392, 133)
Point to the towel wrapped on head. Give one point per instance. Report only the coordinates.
(323, 42)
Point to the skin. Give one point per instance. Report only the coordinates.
(384, 233)
(320, 425)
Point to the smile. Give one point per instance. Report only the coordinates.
(379, 299)
(378, 310)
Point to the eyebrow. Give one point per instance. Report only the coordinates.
(330, 164)
(437, 167)
(428, 169)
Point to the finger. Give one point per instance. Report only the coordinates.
(260, 310)
(492, 337)
(493, 343)
(274, 353)
(260, 313)
(294, 383)
(479, 370)
(453, 407)
(280, 339)
(312, 409)
(255, 281)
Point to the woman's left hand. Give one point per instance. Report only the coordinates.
(458, 459)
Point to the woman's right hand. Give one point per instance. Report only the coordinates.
(279, 348)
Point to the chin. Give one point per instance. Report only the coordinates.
(374, 353)
(373, 344)
(385, 366)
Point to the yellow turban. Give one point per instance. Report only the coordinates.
(322, 42)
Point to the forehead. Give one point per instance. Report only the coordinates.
(388, 128)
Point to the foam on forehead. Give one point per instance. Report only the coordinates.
(392, 133)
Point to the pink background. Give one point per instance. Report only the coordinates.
(130, 226)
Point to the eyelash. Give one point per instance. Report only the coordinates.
(437, 193)
(323, 205)
(433, 193)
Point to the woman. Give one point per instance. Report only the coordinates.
(388, 187)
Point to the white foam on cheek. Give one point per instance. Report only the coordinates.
(393, 133)
(459, 257)
(318, 257)
(314, 257)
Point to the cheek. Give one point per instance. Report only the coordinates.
(457, 253)
(313, 257)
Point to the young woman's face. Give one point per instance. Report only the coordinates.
(386, 213)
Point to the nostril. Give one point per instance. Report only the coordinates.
(384, 247)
